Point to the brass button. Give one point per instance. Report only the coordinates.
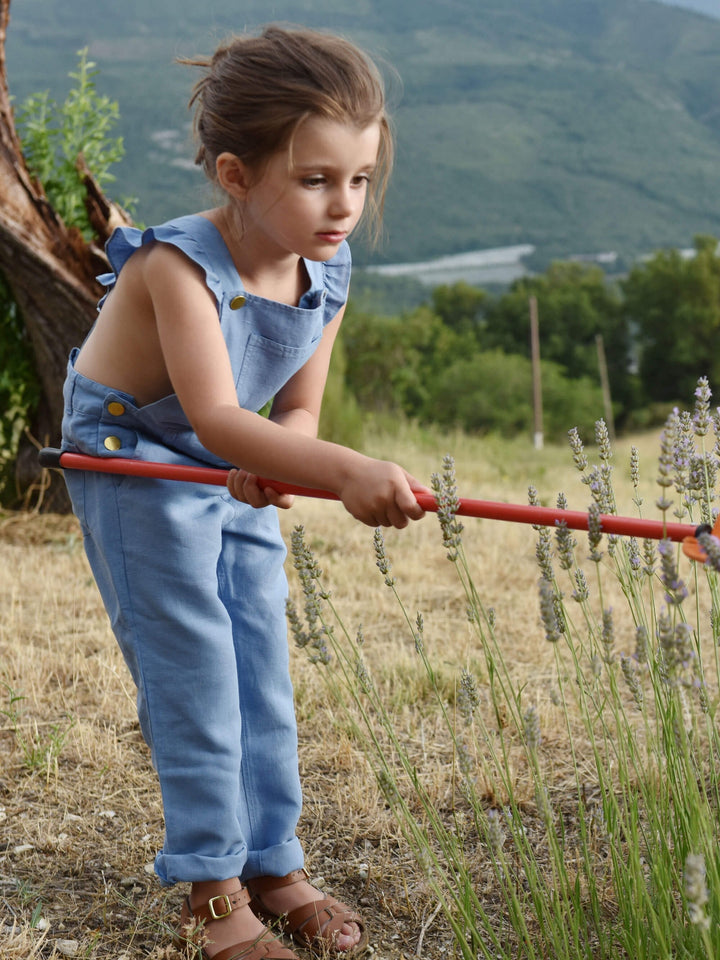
(112, 443)
(116, 409)
(237, 302)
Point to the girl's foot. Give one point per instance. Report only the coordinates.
(216, 917)
(307, 914)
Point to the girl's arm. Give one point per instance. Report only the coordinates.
(297, 405)
(375, 491)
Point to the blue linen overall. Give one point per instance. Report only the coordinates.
(193, 580)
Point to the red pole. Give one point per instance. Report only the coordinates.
(486, 509)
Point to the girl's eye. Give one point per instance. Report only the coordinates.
(361, 180)
(313, 181)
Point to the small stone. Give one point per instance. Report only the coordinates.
(68, 948)
(149, 868)
(23, 848)
(42, 924)
(109, 814)
(363, 871)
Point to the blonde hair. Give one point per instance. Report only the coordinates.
(257, 90)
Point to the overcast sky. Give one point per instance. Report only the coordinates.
(710, 7)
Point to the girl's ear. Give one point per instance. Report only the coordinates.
(233, 175)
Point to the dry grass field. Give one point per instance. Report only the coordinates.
(80, 815)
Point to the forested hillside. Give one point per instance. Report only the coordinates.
(575, 125)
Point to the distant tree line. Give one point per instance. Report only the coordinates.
(463, 358)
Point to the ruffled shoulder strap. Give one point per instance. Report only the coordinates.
(333, 278)
(196, 236)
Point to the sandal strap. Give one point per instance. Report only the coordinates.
(260, 885)
(267, 947)
(320, 920)
(313, 923)
(217, 908)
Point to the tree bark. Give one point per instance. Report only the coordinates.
(51, 271)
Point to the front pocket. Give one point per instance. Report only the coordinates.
(266, 367)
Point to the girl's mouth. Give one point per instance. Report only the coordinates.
(332, 236)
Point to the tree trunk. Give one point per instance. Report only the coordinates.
(51, 271)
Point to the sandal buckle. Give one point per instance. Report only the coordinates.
(214, 912)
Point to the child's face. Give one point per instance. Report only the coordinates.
(310, 198)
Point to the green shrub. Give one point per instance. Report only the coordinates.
(55, 135)
(19, 387)
(492, 393)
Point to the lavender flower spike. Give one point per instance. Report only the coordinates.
(711, 546)
(702, 418)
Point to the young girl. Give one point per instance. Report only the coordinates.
(206, 319)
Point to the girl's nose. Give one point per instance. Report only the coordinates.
(342, 203)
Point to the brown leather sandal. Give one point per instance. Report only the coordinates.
(265, 947)
(315, 924)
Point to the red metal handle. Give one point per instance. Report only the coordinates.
(486, 509)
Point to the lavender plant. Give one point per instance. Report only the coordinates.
(621, 858)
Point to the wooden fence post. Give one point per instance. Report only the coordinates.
(537, 378)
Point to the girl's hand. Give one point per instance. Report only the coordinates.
(382, 494)
(244, 486)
